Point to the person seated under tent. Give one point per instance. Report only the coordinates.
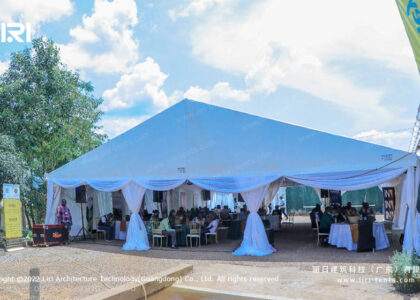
(213, 222)
(367, 212)
(107, 224)
(168, 230)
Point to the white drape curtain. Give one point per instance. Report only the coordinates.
(348, 180)
(222, 199)
(53, 200)
(272, 192)
(402, 197)
(149, 204)
(255, 240)
(412, 228)
(136, 232)
(104, 201)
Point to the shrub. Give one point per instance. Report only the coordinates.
(406, 272)
(27, 234)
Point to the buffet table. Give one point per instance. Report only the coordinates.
(341, 236)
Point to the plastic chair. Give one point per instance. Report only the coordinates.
(212, 234)
(195, 232)
(157, 234)
(320, 234)
(100, 234)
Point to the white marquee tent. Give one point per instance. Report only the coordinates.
(228, 151)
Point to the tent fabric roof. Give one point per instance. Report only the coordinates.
(194, 140)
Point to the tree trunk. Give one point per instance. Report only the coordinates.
(28, 219)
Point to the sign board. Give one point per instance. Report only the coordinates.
(389, 202)
(11, 191)
(12, 218)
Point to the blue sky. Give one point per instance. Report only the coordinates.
(344, 67)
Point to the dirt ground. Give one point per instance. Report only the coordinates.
(298, 270)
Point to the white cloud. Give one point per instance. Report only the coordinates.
(4, 65)
(114, 126)
(294, 43)
(196, 8)
(34, 11)
(399, 140)
(104, 42)
(142, 83)
(220, 91)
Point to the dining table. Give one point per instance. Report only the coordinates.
(344, 235)
(181, 233)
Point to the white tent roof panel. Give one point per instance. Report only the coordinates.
(193, 139)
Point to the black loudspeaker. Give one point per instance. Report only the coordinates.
(158, 196)
(81, 194)
(324, 193)
(335, 197)
(205, 194)
(240, 198)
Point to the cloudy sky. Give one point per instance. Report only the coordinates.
(344, 67)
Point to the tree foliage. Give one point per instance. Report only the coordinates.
(13, 168)
(49, 111)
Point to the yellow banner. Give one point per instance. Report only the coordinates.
(410, 14)
(12, 218)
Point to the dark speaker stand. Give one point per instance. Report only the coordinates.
(82, 230)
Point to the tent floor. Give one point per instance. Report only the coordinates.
(294, 243)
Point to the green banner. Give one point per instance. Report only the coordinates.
(410, 13)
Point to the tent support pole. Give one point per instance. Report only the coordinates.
(413, 212)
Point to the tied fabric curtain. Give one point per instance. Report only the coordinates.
(255, 240)
(136, 232)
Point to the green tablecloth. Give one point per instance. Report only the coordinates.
(182, 231)
(235, 232)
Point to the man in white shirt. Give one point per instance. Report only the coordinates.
(282, 206)
(211, 228)
(213, 225)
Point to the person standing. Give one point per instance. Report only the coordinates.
(64, 216)
(282, 206)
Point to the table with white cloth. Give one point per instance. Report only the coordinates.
(120, 235)
(341, 236)
(274, 221)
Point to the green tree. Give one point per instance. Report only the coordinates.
(13, 168)
(50, 112)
